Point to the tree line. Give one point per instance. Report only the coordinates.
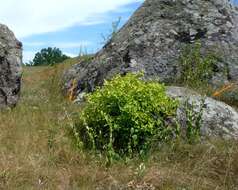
(48, 56)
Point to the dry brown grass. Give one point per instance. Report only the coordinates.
(37, 153)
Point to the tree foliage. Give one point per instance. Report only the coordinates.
(49, 56)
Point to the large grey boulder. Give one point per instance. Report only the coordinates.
(218, 119)
(10, 67)
(152, 41)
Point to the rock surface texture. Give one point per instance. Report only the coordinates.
(154, 37)
(218, 118)
(10, 67)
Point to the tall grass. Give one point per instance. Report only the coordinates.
(37, 153)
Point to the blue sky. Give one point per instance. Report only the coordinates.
(85, 37)
(71, 25)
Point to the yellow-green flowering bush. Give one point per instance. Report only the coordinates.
(126, 115)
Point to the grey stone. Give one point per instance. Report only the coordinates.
(10, 67)
(219, 120)
(152, 41)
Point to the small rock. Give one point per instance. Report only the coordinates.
(218, 119)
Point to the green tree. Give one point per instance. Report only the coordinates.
(49, 56)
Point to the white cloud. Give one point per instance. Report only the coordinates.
(28, 56)
(61, 45)
(65, 45)
(29, 17)
(70, 54)
(34, 44)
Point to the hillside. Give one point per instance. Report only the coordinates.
(37, 153)
(155, 108)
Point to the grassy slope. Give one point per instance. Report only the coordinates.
(36, 153)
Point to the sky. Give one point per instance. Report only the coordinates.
(74, 26)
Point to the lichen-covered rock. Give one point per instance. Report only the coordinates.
(10, 67)
(218, 119)
(154, 37)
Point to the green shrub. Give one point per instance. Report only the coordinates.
(193, 120)
(126, 115)
(196, 68)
